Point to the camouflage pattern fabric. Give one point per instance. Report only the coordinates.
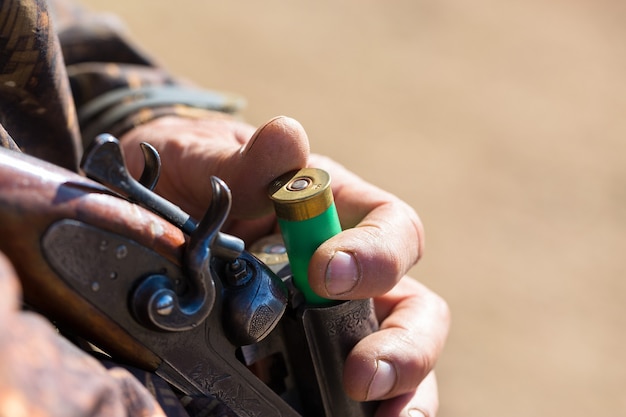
(35, 107)
(55, 58)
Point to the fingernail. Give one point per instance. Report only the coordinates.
(414, 412)
(383, 381)
(342, 273)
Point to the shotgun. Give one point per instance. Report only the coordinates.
(110, 261)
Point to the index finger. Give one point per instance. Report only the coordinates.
(383, 238)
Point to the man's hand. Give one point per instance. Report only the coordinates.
(382, 241)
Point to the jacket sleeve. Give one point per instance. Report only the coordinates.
(68, 74)
(36, 109)
(116, 85)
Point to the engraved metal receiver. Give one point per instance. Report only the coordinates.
(196, 315)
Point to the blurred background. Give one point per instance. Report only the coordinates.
(503, 123)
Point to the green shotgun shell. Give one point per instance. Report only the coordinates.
(307, 217)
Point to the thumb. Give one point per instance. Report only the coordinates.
(277, 147)
(194, 149)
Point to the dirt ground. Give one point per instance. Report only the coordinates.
(503, 123)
